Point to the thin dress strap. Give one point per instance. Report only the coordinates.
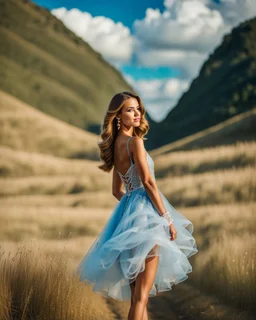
(128, 149)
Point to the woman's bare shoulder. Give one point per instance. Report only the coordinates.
(137, 143)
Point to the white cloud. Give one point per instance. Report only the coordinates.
(175, 87)
(113, 40)
(195, 27)
(187, 31)
(188, 62)
(129, 79)
(159, 95)
(234, 11)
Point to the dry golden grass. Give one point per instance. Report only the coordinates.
(220, 186)
(14, 163)
(237, 128)
(22, 127)
(216, 158)
(223, 233)
(70, 249)
(64, 184)
(225, 263)
(97, 199)
(35, 285)
(18, 222)
(228, 269)
(188, 302)
(49, 175)
(63, 204)
(54, 228)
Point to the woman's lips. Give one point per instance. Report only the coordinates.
(137, 119)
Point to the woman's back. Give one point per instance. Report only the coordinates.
(122, 154)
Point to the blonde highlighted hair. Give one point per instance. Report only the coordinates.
(109, 128)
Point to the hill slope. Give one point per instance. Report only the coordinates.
(26, 129)
(239, 128)
(47, 66)
(226, 86)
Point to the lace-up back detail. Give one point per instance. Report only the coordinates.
(131, 178)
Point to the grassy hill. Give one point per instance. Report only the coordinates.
(47, 66)
(225, 87)
(240, 128)
(24, 128)
(16, 164)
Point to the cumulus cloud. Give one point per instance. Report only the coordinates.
(195, 27)
(188, 62)
(159, 95)
(234, 11)
(187, 31)
(113, 40)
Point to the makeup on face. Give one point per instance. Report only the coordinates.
(137, 109)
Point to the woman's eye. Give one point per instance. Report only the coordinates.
(138, 108)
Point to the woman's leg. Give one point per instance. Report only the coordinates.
(145, 314)
(132, 286)
(144, 283)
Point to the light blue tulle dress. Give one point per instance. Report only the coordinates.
(134, 232)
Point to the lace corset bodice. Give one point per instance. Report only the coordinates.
(131, 178)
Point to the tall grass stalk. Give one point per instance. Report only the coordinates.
(35, 285)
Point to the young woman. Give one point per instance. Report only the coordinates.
(144, 247)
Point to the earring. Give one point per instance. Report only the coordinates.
(118, 123)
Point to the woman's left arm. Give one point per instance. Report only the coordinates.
(117, 184)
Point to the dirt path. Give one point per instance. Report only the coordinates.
(159, 308)
(182, 303)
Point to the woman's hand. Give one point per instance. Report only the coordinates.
(173, 232)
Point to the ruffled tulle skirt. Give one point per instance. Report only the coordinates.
(134, 232)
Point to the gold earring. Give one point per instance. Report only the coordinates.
(118, 123)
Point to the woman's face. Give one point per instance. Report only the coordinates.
(131, 113)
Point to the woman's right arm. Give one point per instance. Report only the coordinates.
(140, 159)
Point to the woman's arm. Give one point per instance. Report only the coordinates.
(140, 159)
(119, 195)
(117, 184)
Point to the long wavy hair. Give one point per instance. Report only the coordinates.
(109, 129)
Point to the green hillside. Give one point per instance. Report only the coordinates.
(225, 87)
(47, 66)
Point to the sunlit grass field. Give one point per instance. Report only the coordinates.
(226, 246)
(36, 285)
(63, 204)
(204, 160)
(24, 128)
(225, 263)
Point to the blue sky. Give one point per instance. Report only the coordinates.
(158, 45)
(117, 10)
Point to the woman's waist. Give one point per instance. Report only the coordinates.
(130, 191)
